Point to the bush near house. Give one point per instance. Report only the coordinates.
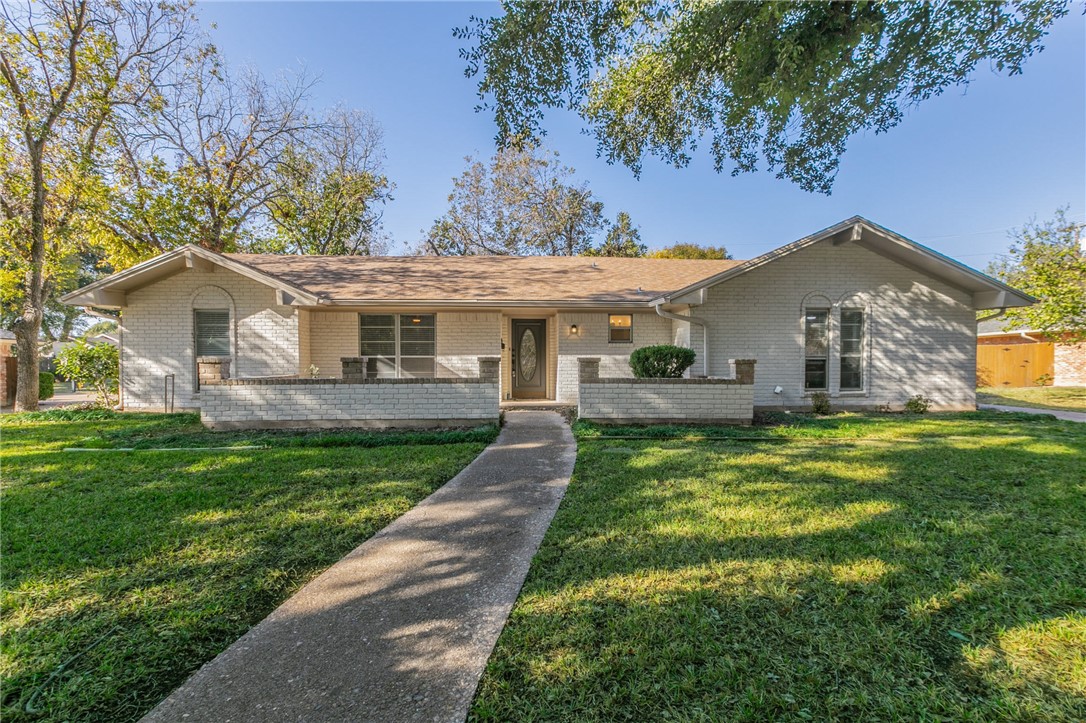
(662, 361)
(92, 365)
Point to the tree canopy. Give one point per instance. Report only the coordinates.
(1047, 260)
(691, 251)
(779, 85)
(521, 202)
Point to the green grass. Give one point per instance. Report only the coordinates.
(123, 572)
(1068, 399)
(934, 571)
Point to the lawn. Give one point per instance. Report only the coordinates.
(123, 572)
(1068, 399)
(929, 568)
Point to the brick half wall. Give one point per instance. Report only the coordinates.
(332, 403)
(666, 401)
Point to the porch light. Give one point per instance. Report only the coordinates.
(573, 330)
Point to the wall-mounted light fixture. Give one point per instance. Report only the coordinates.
(573, 330)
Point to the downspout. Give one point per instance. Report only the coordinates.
(693, 320)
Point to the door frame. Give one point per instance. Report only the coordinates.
(542, 359)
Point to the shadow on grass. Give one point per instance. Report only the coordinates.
(163, 559)
(720, 581)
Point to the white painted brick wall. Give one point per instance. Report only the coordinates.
(462, 337)
(284, 404)
(648, 329)
(157, 326)
(684, 402)
(921, 333)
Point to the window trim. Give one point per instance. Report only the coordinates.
(398, 356)
(860, 353)
(611, 329)
(827, 342)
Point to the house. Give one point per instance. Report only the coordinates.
(1011, 355)
(855, 311)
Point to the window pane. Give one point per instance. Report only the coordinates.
(851, 373)
(815, 332)
(408, 321)
(852, 331)
(620, 327)
(815, 374)
(417, 367)
(212, 328)
(381, 367)
(413, 348)
(378, 320)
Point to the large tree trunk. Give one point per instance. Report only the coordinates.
(28, 326)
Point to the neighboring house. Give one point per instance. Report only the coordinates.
(8, 368)
(1017, 356)
(856, 311)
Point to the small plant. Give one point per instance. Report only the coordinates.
(917, 404)
(883, 409)
(45, 385)
(663, 361)
(1045, 380)
(820, 403)
(313, 371)
(96, 366)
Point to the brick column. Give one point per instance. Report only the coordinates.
(488, 368)
(354, 369)
(589, 368)
(744, 370)
(211, 370)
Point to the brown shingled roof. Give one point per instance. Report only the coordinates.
(484, 278)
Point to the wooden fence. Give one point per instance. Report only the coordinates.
(1013, 364)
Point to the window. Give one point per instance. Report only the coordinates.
(620, 328)
(212, 329)
(815, 345)
(398, 345)
(852, 338)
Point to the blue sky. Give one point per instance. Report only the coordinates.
(957, 174)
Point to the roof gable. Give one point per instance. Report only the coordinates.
(987, 293)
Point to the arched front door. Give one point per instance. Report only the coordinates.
(529, 359)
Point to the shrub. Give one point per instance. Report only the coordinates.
(45, 385)
(1045, 380)
(95, 366)
(917, 404)
(663, 361)
(820, 403)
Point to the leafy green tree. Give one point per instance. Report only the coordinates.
(691, 251)
(521, 202)
(779, 84)
(330, 188)
(623, 239)
(92, 365)
(1047, 260)
(69, 69)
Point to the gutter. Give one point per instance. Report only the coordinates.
(996, 315)
(659, 307)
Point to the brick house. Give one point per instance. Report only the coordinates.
(855, 311)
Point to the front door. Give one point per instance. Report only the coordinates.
(529, 359)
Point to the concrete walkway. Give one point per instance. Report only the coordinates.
(1057, 413)
(401, 628)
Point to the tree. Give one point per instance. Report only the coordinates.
(330, 188)
(691, 251)
(773, 83)
(92, 365)
(623, 239)
(69, 69)
(521, 202)
(1047, 260)
(202, 169)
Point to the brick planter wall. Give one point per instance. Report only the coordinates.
(666, 401)
(378, 403)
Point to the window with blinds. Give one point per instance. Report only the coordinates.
(398, 345)
(815, 348)
(852, 342)
(212, 328)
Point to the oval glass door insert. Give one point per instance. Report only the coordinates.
(528, 361)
